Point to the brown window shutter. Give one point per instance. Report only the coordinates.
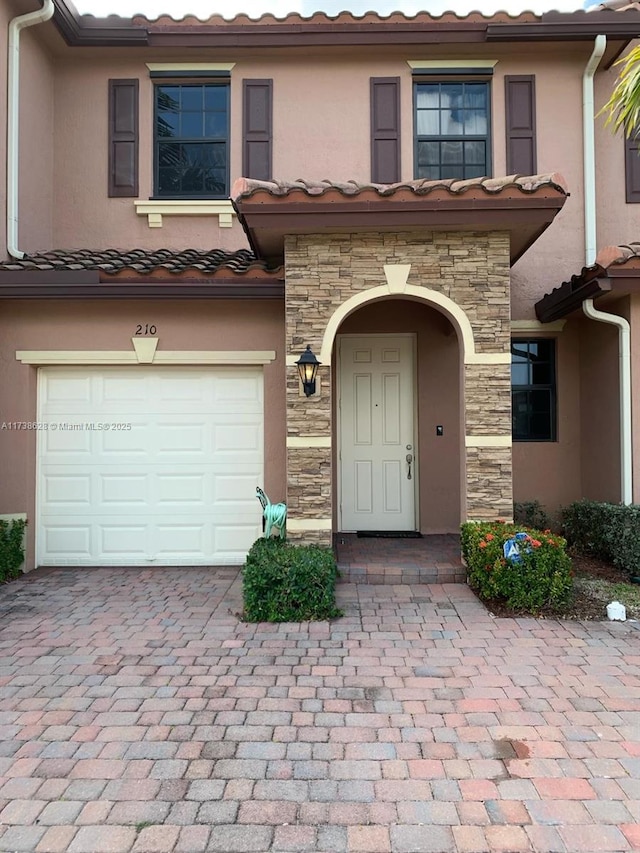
(257, 121)
(123, 138)
(385, 130)
(520, 101)
(632, 169)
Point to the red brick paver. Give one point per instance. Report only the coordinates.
(139, 715)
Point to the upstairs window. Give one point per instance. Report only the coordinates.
(191, 140)
(533, 390)
(452, 129)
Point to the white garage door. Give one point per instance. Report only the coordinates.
(149, 466)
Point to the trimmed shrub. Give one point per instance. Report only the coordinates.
(541, 578)
(531, 514)
(11, 548)
(282, 582)
(610, 532)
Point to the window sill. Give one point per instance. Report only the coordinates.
(155, 210)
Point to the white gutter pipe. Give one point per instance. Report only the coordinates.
(624, 351)
(13, 117)
(624, 330)
(588, 136)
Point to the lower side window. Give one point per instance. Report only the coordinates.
(533, 389)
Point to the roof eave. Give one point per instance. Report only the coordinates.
(83, 31)
(267, 223)
(571, 294)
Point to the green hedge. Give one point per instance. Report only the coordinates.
(542, 578)
(11, 548)
(610, 532)
(289, 583)
(531, 514)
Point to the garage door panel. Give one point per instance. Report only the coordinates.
(180, 540)
(72, 541)
(121, 387)
(181, 437)
(232, 439)
(232, 541)
(234, 488)
(137, 441)
(64, 391)
(68, 490)
(122, 539)
(66, 443)
(181, 489)
(238, 389)
(177, 488)
(119, 490)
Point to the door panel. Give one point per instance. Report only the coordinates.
(376, 433)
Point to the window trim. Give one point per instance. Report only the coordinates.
(553, 388)
(451, 75)
(222, 80)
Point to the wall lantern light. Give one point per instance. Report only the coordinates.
(307, 369)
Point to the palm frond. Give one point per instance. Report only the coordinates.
(623, 107)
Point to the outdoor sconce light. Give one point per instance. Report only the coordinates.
(307, 369)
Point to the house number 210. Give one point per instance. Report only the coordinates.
(147, 329)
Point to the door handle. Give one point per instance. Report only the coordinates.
(409, 458)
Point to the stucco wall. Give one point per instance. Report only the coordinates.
(36, 132)
(600, 410)
(108, 326)
(549, 472)
(321, 128)
(634, 317)
(618, 222)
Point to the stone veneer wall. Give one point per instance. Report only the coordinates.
(471, 269)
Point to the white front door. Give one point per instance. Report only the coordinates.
(377, 447)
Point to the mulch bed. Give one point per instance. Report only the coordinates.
(584, 604)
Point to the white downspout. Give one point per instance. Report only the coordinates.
(624, 330)
(588, 136)
(13, 117)
(624, 351)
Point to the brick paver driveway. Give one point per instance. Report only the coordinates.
(137, 713)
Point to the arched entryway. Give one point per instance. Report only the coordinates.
(397, 426)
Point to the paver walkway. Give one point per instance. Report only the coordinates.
(428, 559)
(138, 714)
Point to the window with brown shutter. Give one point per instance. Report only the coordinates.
(385, 130)
(632, 169)
(520, 105)
(257, 120)
(191, 137)
(123, 138)
(452, 125)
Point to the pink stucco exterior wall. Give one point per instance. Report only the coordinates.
(36, 149)
(634, 317)
(550, 471)
(321, 129)
(36, 133)
(600, 410)
(109, 326)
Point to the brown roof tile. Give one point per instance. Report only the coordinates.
(247, 187)
(137, 262)
(590, 282)
(321, 19)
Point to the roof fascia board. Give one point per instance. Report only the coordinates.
(136, 289)
(570, 296)
(84, 31)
